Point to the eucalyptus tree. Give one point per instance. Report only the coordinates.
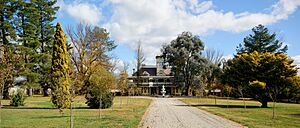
(184, 55)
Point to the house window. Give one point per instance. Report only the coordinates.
(160, 80)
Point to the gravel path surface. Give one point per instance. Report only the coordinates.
(171, 113)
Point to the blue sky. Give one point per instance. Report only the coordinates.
(221, 24)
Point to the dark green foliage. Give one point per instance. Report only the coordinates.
(31, 22)
(26, 20)
(261, 41)
(7, 29)
(60, 70)
(184, 56)
(292, 93)
(46, 10)
(7, 32)
(99, 88)
(94, 97)
(18, 99)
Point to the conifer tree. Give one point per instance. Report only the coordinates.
(25, 22)
(59, 70)
(46, 10)
(7, 33)
(261, 41)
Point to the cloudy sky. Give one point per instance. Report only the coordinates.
(221, 24)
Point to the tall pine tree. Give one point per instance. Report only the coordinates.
(261, 41)
(7, 33)
(46, 10)
(25, 22)
(59, 70)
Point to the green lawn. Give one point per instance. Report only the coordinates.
(287, 115)
(38, 112)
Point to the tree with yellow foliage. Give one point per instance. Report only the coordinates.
(263, 76)
(60, 70)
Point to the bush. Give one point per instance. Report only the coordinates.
(93, 99)
(18, 99)
(99, 89)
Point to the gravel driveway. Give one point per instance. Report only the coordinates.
(171, 113)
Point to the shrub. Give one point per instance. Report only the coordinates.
(18, 98)
(94, 97)
(99, 89)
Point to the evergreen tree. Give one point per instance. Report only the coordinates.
(59, 70)
(261, 41)
(6, 19)
(7, 33)
(25, 22)
(46, 10)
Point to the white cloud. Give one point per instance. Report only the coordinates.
(284, 8)
(197, 7)
(156, 22)
(227, 57)
(297, 61)
(83, 12)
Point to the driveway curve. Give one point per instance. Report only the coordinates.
(171, 113)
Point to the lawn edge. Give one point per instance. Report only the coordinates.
(220, 116)
(141, 124)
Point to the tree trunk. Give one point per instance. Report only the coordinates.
(264, 104)
(273, 113)
(71, 114)
(45, 91)
(5, 92)
(188, 91)
(29, 91)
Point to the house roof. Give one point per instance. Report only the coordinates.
(149, 66)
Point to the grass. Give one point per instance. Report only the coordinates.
(287, 115)
(39, 112)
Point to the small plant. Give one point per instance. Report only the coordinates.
(95, 99)
(18, 98)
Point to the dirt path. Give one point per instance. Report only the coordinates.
(171, 113)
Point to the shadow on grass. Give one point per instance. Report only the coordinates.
(22, 107)
(50, 117)
(295, 115)
(220, 106)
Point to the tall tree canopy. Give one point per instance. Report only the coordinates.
(60, 70)
(91, 47)
(26, 41)
(25, 21)
(261, 41)
(46, 11)
(213, 72)
(262, 75)
(184, 56)
(7, 33)
(140, 58)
